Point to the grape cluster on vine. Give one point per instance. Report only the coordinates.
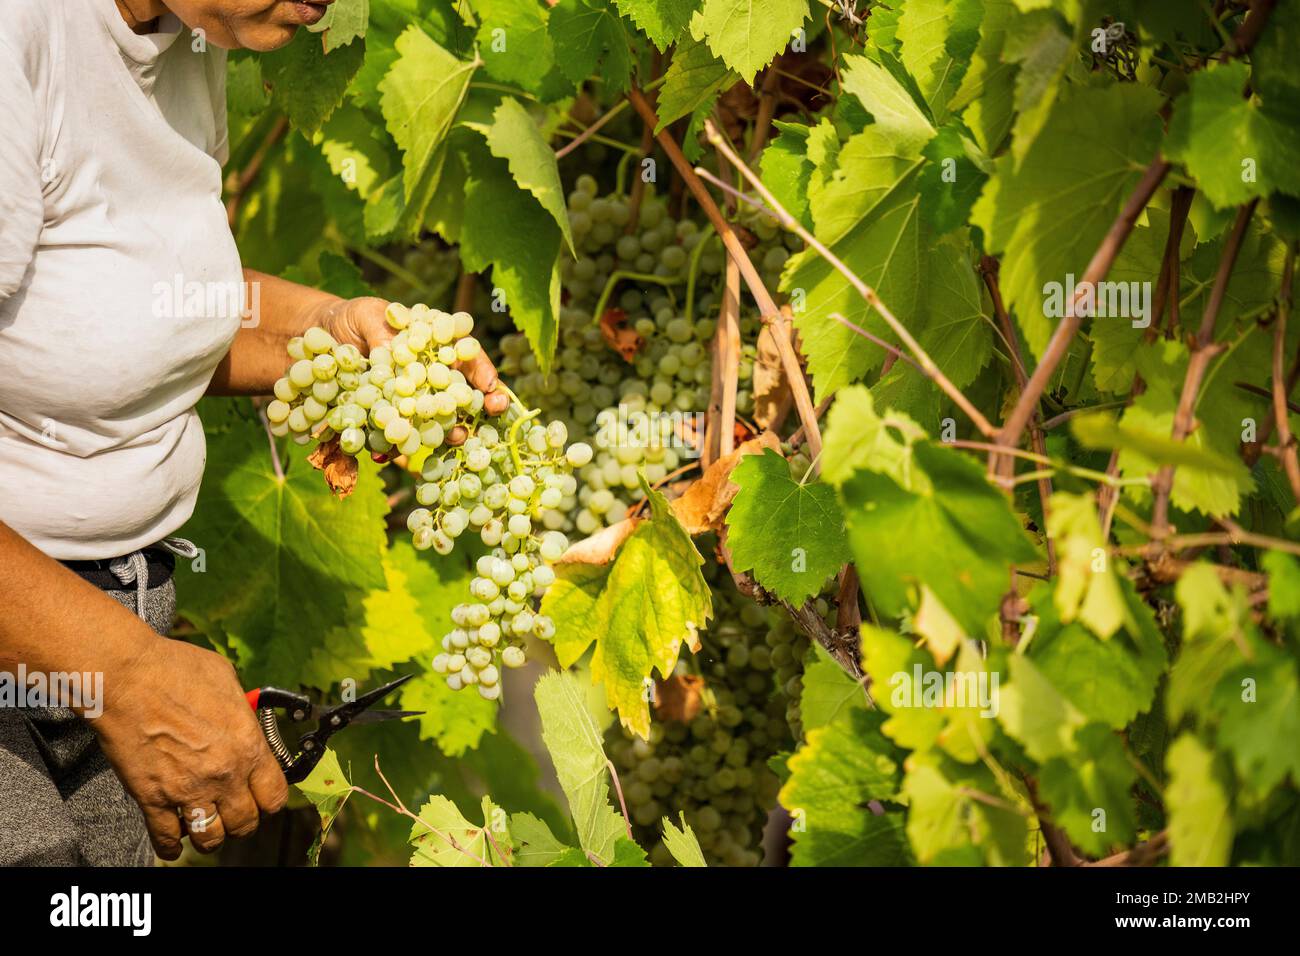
(714, 767)
(513, 489)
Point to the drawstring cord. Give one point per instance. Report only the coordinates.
(134, 568)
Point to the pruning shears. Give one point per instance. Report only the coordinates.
(297, 764)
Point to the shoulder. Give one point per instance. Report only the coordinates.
(30, 30)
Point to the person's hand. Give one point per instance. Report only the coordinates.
(361, 322)
(177, 728)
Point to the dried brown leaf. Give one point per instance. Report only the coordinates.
(772, 396)
(619, 336)
(679, 697)
(601, 547)
(703, 505)
(339, 468)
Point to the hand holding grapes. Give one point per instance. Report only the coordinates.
(362, 323)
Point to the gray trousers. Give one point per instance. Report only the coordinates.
(61, 804)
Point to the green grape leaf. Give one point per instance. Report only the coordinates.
(927, 283)
(951, 180)
(1088, 791)
(306, 84)
(1198, 804)
(1047, 214)
(393, 629)
(340, 276)
(833, 776)
(1209, 479)
(661, 20)
(891, 106)
(574, 743)
(1119, 346)
(682, 843)
(327, 789)
(245, 94)
(1272, 59)
(515, 43)
(1258, 703)
(1087, 587)
(890, 660)
(639, 610)
(882, 28)
(443, 837)
(1283, 584)
(694, 79)
(747, 34)
(1044, 53)
(828, 691)
(1215, 624)
(284, 559)
(344, 21)
(786, 170)
(587, 33)
(534, 844)
(504, 227)
(864, 172)
(1036, 714)
(420, 96)
(948, 826)
(956, 534)
(1237, 149)
(986, 97)
(1108, 681)
(790, 534)
(514, 137)
(1101, 431)
(938, 38)
(858, 437)
(455, 720)
(628, 854)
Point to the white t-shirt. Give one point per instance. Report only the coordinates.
(120, 285)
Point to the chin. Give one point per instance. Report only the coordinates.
(264, 38)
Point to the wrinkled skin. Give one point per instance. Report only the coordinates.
(260, 25)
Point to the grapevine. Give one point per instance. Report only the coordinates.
(857, 357)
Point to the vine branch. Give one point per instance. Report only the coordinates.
(1059, 344)
(1204, 351)
(766, 304)
(927, 364)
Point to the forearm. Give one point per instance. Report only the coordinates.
(56, 622)
(281, 310)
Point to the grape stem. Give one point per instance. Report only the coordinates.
(514, 435)
(618, 788)
(275, 450)
(693, 271)
(424, 823)
(600, 121)
(620, 275)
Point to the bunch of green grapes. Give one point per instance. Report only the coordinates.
(714, 768)
(436, 266)
(660, 245)
(407, 397)
(772, 248)
(584, 378)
